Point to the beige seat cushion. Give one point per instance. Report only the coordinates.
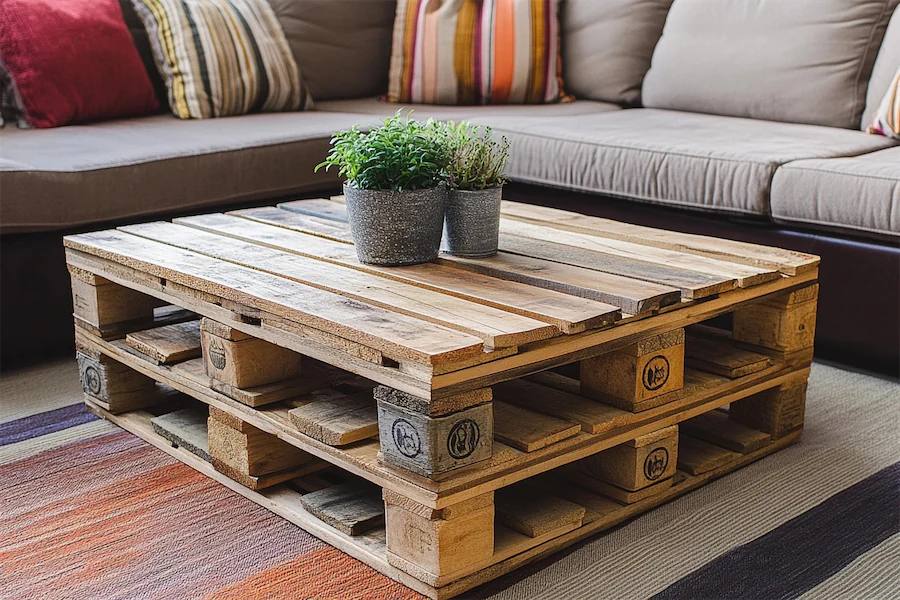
(379, 109)
(54, 179)
(859, 194)
(798, 61)
(706, 162)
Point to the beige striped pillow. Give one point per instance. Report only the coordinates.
(222, 57)
(887, 117)
(476, 52)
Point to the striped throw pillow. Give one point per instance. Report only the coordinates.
(222, 57)
(476, 52)
(887, 117)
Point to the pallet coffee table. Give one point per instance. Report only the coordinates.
(449, 422)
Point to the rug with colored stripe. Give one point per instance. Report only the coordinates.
(88, 511)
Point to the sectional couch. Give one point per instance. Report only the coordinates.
(738, 118)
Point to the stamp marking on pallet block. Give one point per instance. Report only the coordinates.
(116, 387)
(435, 545)
(650, 368)
(636, 464)
(433, 445)
(244, 362)
(778, 411)
(786, 323)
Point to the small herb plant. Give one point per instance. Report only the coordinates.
(402, 154)
(474, 158)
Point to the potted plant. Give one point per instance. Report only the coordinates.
(475, 162)
(394, 189)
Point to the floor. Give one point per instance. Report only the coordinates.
(92, 512)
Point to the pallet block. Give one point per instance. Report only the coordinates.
(650, 368)
(103, 304)
(250, 455)
(637, 464)
(777, 411)
(786, 322)
(431, 446)
(439, 543)
(116, 387)
(243, 362)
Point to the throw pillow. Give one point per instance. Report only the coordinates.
(887, 117)
(72, 61)
(476, 52)
(222, 57)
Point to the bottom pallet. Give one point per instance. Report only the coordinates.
(511, 551)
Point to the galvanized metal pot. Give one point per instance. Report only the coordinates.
(473, 222)
(396, 228)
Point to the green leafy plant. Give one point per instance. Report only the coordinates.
(475, 159)
(402, 154)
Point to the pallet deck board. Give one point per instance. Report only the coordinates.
(788, 262)
(395, 333)
(290, 232)
(498, 329)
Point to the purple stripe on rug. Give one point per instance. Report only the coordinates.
(803, 552)
(44, 423)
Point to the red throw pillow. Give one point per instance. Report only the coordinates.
(73, 61)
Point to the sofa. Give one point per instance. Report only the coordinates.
(742, 119)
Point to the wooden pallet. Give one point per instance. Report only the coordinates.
(502, 409)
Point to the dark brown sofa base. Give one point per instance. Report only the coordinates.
(858, 322)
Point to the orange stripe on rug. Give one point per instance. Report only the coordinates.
(325, 574)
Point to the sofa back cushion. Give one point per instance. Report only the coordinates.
(883, 73)
(800, 61)
(342, 47)
(607, 45)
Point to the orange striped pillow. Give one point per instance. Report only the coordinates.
(476, 52)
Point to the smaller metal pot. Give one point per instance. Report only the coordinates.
(393, 229)
(472, 225)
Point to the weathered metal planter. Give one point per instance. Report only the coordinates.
(396, 228)
(473, 222)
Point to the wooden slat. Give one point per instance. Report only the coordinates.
(528, 430)
(788, 262)
(168, 344)
(633, 296)
(288, 231)
(692, 284)
(722, 357)
(497, 328)
(352, 508)
(534, 512)
(317, 208)
(186, 429)
(697, 457)
(338, 421)
(746, 276)
(716, 428)
(397, 335)
(547, 244)
(326, 228)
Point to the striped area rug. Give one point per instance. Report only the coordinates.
(88, 511)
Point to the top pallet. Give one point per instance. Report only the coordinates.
(563, 288)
